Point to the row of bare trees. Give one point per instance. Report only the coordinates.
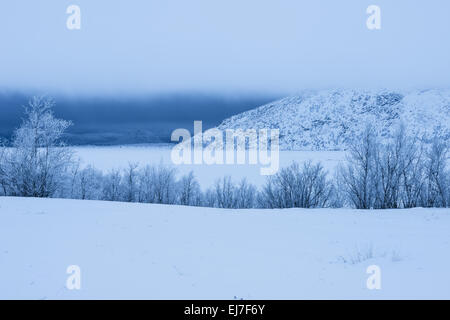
(400, 172)
(156, 184)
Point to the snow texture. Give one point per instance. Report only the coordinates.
(147, 251)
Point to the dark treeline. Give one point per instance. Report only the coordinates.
(400, 172)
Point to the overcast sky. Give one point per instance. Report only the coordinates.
(133, 46)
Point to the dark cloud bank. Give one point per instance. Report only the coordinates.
(127, 120)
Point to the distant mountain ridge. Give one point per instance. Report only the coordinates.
(330, 119)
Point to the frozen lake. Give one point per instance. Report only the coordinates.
(110, 157)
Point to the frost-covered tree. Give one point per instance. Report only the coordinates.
(209, 198)
(189, 191)
(226, 194)
(396, 173)
(4, 189)
(412, 174)
(131, 182)
(437, 173)
(87, 184)
(245, 195)
(358, 175)
(224, 190)
(146, 186)
(394, 165)
(37, 163)
(157, 185)
(113, 186)
(165, 184)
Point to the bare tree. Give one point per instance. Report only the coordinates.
(295, 187)
(245, 195)
(412, 172)
(437, 174)
(358, 175)
(393, 162)
(89, 184)
(158, 185)
(165, 184)
(131, 183)
(210, 198)
(113, 186)
(3, 169)
(146, 185)
(225, 193)
(189, 191)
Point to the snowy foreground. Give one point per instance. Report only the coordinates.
(157, 251)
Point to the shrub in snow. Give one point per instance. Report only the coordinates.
(297, 187)
(359, 254)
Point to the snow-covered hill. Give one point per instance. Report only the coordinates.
(327, 120)
(157, 251)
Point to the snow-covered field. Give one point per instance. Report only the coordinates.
(111, 157)
(157, 251)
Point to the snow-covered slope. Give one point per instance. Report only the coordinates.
(156, 251)
(327, 120)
